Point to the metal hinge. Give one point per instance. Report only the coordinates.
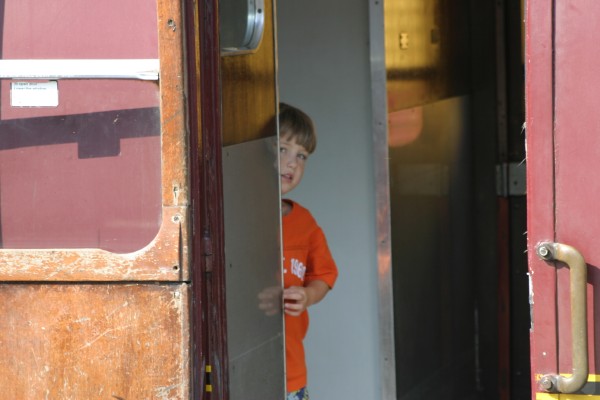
(511, 179)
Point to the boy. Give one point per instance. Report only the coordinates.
(309, 270)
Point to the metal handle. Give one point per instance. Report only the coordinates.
(578, 278)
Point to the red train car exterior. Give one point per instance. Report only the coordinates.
(562, 155)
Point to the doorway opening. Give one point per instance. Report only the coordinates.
(448, 93)
(455, 143)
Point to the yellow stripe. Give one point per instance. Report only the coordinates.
(547, 396)
(553, 396)
(208, 386)
(594, 378)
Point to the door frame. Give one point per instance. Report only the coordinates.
(209, 328)
(539, 63)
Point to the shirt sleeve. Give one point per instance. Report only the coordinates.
(321, 265)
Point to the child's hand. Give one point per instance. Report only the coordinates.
(296, 299)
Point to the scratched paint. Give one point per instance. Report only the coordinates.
(161, 260)
(77, 340)
(85, 341)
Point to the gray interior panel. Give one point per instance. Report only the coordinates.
(253, 270)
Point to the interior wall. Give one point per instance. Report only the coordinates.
(435, 311)
(324, 69)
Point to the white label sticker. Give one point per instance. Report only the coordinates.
(34, 94)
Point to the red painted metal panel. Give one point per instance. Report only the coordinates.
(79, 29)
(540, 220)
(563, 156)
(577, 154)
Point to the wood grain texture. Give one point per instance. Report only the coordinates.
(161, 260)
(94, 342)
(249, 90)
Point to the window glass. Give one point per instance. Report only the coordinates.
(241, 25)
(80, 159)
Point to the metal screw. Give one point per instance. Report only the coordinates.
(545, 251)
(547, 383)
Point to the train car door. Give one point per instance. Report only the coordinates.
(94, 263)
(251, 201)
(563, 149)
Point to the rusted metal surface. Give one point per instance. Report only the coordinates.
(248, 90)
(113, 341)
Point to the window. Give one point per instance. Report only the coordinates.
(92, 141)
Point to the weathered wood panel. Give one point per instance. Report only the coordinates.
(164, 259)
(172, 104)
(249, 91)
(94, 341)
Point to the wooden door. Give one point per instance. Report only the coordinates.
(563, 160)
(94, 263)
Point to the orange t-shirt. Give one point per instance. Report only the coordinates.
(306, 258)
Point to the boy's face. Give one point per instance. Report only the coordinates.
(292, 158)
